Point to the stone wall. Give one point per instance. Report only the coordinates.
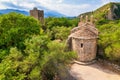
(83, 40)
(41, 16)
(86, 49)
(38, 14)
(34, 13)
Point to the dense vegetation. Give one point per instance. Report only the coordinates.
(14, 29)
(109, 40)
(59, 28)
(30, 51)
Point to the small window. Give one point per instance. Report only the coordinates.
(81, 45)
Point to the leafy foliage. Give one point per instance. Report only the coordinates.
(27, 51)
(51, 22)
(57, 59)
(60, 33)
(24, 65)
(38, 58)
(59, 28)
(109, 39)
(14, 29)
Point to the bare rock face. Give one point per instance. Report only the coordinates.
(83, 40)
(113, 13)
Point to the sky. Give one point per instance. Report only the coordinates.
(66, 7)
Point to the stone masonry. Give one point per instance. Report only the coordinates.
(83, 40)
(38, 14)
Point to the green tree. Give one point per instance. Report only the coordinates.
(14, 29)
(109, 39)
(25, 65)
(60, 33)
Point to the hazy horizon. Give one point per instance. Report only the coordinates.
(68, 8)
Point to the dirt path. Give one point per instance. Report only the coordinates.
(92, 72)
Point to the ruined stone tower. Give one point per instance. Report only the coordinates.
(38, 14)
(83, 40)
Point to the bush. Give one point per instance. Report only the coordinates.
(25, 65)
(38, 60)
(109, 40)
(57, 60)
(60, 33)
(15, 28)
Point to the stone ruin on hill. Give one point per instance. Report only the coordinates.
(38, 14)
(83, 40)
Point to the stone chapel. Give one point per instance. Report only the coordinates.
(83, 40)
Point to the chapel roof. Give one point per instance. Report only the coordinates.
(84, 30)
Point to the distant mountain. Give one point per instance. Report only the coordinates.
(50, 13)
(5, 11)
(47, 13)
(110, 11)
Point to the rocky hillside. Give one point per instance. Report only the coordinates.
(110, 11)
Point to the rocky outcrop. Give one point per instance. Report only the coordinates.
(114, 12)
(110, 11)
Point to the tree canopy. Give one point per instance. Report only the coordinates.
(28, 51)
(14, 29)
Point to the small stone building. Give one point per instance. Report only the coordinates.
(83, 40)
(38, 14)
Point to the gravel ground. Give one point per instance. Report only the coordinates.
(92, 72)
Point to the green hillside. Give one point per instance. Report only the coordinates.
(109, 11)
